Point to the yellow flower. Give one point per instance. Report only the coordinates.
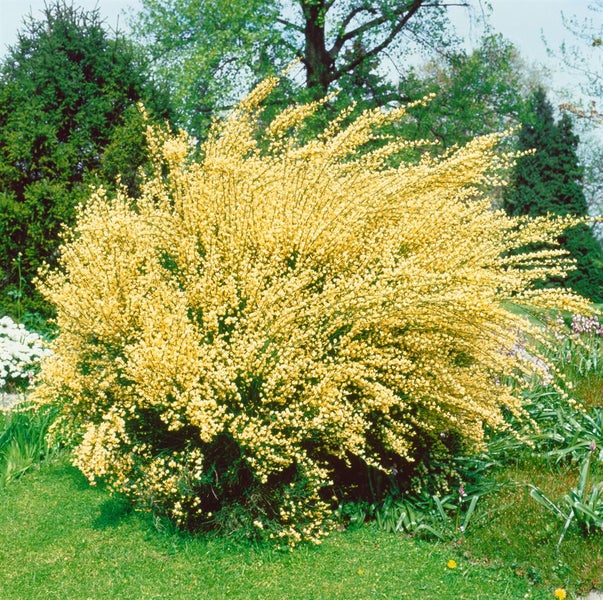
(560, 594)
(451, 564)
(281, 292)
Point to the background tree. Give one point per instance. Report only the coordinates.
(591, 156)
(474, 93)
(549, 182)
(585, 55)
(65, 90)
(207, 53)
(210, 52)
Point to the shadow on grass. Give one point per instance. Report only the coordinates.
(113, 512)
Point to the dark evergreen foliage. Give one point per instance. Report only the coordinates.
(66, 88)
(549, 181)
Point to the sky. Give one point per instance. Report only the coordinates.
(523, 22)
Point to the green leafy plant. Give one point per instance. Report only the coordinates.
(575, 434)
(444, 517)
(16, 293)
(23, 440)
(351, 515)
(580, 350)
(582, 506)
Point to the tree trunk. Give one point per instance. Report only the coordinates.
(318, 62)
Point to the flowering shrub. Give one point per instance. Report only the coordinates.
(262, 317)
(20, 353)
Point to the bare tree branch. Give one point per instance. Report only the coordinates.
(412, 9)
(343, 37)
(348, 19)
(289, 24)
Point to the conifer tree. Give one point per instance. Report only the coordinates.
(548, 181)
(68, 91)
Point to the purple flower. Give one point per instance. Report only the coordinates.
(582, 324)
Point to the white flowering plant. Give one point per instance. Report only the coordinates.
(20, 353)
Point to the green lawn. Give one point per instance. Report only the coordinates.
(61, 539)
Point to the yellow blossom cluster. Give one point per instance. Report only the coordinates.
(280, 304)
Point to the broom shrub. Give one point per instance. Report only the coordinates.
(277, 309)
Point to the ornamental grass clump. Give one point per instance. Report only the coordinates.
(265, 316)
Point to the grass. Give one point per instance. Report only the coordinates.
(23, 441)
(510, 529)
(60, 538)
(522, 535)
